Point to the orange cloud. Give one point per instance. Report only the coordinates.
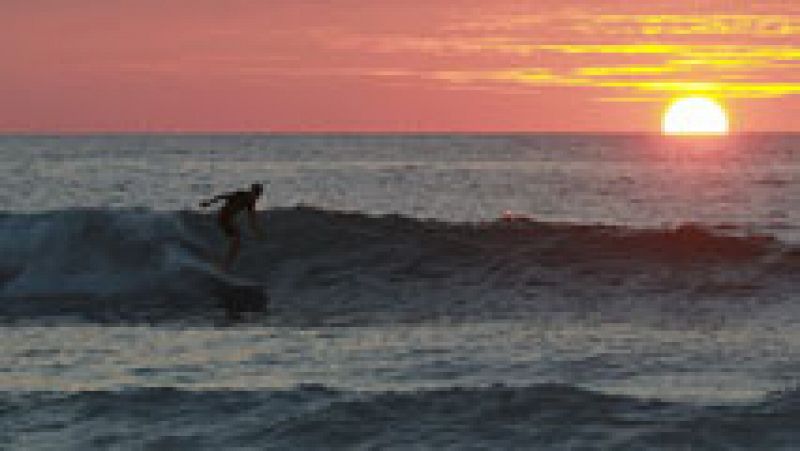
(727, 70)
(749, 25)
(682, 25)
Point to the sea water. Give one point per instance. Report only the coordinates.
(493, 291)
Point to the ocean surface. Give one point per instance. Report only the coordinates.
(433, 291)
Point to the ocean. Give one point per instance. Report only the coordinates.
(525, 291)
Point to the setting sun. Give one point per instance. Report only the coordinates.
(695, 116)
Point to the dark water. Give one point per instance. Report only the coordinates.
(552, 416)
(545, 291)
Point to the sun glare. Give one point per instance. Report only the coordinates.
(695, 116)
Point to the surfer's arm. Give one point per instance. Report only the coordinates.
(215, 199)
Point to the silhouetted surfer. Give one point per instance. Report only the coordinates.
(235, 202)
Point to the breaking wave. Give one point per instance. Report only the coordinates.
(327, 267)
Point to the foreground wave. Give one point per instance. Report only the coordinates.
(548, 415)
(343, 268)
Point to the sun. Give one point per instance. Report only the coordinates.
(695, 116)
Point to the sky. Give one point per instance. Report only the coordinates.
(394, 65)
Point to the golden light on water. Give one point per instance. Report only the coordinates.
(695, 116)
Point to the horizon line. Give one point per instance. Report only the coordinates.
(67, 133)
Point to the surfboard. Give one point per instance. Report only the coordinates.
(240, 295)
(235, 294)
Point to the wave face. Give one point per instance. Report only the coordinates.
(314, 417)
(324, 267)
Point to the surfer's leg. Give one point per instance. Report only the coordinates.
(233, 251)
(230, 230)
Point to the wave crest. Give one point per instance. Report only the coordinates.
(548, 415)
(354, 267)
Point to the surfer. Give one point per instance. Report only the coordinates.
(235, 202)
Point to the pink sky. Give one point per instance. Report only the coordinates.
(397, 66)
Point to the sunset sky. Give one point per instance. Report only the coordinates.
(396, 65)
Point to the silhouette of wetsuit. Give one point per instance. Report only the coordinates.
(235, 202)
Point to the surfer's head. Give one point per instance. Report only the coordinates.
(257, 189)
